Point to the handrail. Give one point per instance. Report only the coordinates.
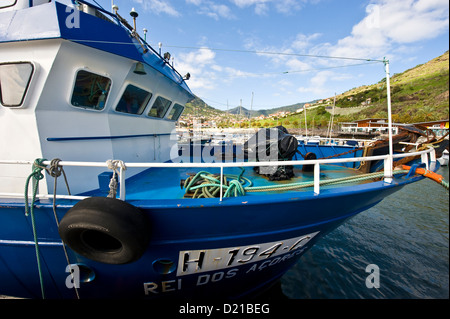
(120, 23)
(387, 173)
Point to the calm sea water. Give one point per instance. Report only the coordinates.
(406, 236)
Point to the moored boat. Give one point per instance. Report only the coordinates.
(111, 207)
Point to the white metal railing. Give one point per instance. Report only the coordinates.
(426, 156)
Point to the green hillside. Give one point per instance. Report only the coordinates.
(247, 113)
(197, 107)
(417, 95)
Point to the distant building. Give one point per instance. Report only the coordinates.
(440, 128)
(369, 126)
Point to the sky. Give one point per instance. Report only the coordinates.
(271, 53)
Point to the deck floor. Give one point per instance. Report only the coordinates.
(166, 183)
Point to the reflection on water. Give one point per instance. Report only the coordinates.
(406, 236)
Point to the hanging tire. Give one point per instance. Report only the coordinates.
(106, 230)
(309, 156)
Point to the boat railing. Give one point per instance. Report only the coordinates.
(122, 22)
(428, 155)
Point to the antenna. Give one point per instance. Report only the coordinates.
(240, 108)
(134, 15)
(145, 34)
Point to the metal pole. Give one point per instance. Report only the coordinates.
(332, 116)
(389, 167)
(306, 124)
(221, 183)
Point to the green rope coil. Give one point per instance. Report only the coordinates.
(206, 185)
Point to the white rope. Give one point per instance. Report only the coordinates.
(114, 165)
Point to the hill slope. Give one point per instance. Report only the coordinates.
(417, 95)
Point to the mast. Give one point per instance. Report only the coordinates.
(389, 163)
(332, 116)
(330, 123)
(306, 124)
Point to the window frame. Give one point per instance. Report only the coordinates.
(25, 91)
(152, 104)
(9, 5)
(122, 94)
(172, 108)
(88, 108)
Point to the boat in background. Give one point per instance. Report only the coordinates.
(113, 209)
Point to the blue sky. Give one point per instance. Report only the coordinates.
(221, 44)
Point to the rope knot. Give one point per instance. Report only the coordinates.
(38, 166)
(114, 165)
(37, 175)
(55, 170)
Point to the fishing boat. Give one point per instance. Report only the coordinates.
(98, 201)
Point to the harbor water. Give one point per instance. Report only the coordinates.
(404, 241)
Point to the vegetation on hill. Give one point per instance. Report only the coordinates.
(417, 95)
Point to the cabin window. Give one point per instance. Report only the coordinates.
(90, 91)
(134, 100)
(14, 81)
(7, 3)
(160, 107)
(175, 112)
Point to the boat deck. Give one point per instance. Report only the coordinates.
(167, 183)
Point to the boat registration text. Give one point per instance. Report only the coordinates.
(199, 261)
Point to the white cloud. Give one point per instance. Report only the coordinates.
(287, 6)
(262, 6)
(206, 73)
(158, 6)
(393, 22)
(195, 2)
(286, 57)
(303, 41)
(295, 64)
(200, 64)
(211, 9)
(323, 82)
(247, 3)
(388, 27)
(217, 11)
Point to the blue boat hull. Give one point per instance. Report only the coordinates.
(248, 224)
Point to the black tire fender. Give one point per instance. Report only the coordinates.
(106, 230)
(309, 156)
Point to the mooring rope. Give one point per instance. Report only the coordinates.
(114, 165)
(429, 174)
(36, 175)
(55, 170)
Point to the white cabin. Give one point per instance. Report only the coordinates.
(62, 99)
